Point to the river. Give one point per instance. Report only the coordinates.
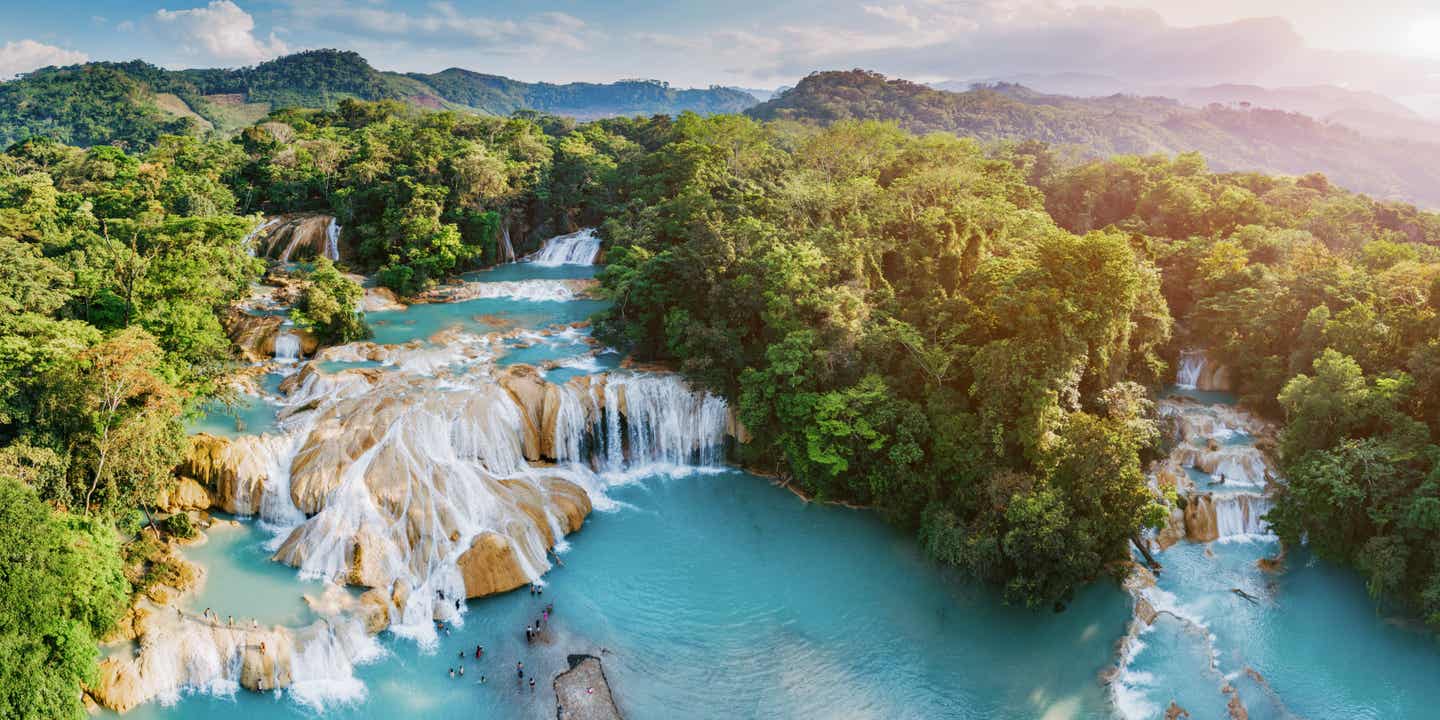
(711, 593)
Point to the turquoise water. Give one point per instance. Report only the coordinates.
(721, 596)
(1211, 397)
(1315, 638)
(241, 581)
(530, 271)
(1312, 645)
(250, 415)
(479, 316)
(488, 314)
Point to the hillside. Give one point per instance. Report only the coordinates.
(135, 102)
(1231, 138)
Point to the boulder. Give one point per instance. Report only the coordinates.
(490, 566)
(187, 495)
(583, 693)
(374, 610)
(1200, 522)
(119, 688)
(253, 335)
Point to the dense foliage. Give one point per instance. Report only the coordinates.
(329, 303)
(61, 588)
(1326, 307)
(902, 326)
(135, 102)
(1230, 138)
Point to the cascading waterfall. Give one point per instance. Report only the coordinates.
(1241, 515)
(316, 663)
(637, 422)
(249, 241)
(1192, 364)
(391, 480)
(287, 348)
(507, 248)
(579, 248)
(332, 240)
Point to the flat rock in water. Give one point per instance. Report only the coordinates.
(581, 693)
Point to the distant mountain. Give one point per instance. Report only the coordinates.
(136, 102)
(1232, 138)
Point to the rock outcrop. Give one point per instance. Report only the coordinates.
(583, 693)
(296, 236)
(490, 566)
(253, 335)
(1200, 522)
(233, 471)
(186, 495)
(119, 687)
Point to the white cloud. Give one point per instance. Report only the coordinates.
(25, 55)
(898, 14)
(442, 23)
(219, 32)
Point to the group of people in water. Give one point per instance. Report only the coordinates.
(532, 633)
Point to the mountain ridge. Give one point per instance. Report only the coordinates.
(102, 102)
(1232, 138)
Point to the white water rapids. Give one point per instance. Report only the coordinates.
(580, 248)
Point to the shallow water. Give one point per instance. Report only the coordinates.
(250, 415)
(479, 316)
(241, 581)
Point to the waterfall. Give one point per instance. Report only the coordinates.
(1192, 364)
(287, 348)
(332, 240)
(507, 250)
(316, 663)
(632, 423)
(533, 290)
(249, 241)
(578, 248)
(1239, 516)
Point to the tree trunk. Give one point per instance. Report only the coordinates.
(1149, 559)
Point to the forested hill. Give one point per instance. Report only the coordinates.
(1232, 139)
(135, 102)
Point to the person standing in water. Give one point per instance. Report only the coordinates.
(532, 684)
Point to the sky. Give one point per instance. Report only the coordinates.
(1389, 46)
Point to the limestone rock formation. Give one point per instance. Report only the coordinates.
(583, 693)
(187, 495)
(119, 688)
(234, 471)
(1200, 522)
(253, 335)
(296, 236)
(380, 299)
(490, 566)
